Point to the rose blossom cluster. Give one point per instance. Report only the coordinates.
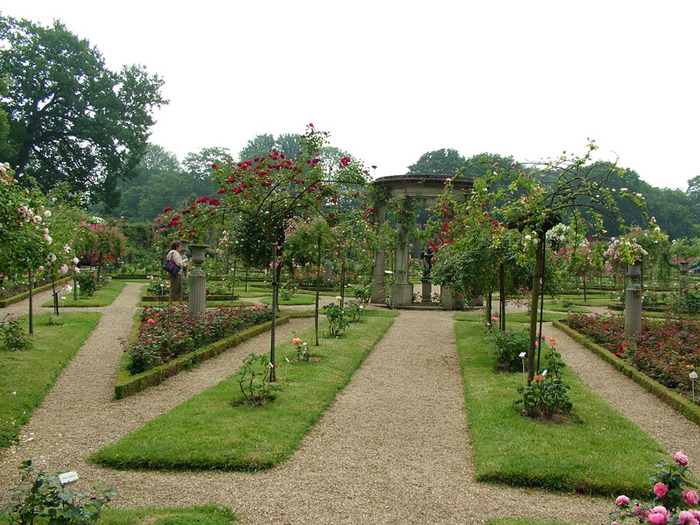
(658, 513)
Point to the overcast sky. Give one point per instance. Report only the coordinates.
(391, 80)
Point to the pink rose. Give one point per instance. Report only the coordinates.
(622, 501)
(657, 515)
(691, 498)
(681, 459)
(687, 517)
(660, 489)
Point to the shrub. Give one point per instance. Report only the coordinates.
(46, 498)
(547, 394)
(87, 284)
(337, 319)
(12, 335)
(254, 380)
(507, 349)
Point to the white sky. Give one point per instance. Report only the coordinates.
(393, 79)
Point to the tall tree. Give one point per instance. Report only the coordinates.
(72, 119)
(438, 162)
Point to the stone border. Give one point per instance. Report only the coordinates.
(677, 402)
(127, 385)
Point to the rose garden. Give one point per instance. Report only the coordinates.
(312, 257)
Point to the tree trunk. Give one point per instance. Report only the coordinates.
(318, 287)
(534, 303)
(31, 303)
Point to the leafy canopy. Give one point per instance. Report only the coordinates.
(70, 118)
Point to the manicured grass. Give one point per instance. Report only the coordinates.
(522, 521)
(511, 318)
(26, 375)
(102, 297)
(214, 431)
(557, 307)
(601, 453)
(207, 515)
(295, 300)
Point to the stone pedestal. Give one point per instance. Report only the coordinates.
(446, 298)
(426, 291)
(633, 300)
(198, 282)
(378, 292)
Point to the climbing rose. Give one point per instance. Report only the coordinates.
(681, 459)
(622, 501)
(660, 489)
(296, 341)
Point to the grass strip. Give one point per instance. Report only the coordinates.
(511, 318)
(295, 300)
(202, 515)
(522, 521)
(26, 375)
(213, 431)
(102, 297)
(603, 453)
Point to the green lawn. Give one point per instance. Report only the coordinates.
(102, 297)
(213, 431)
(26, 375)
(601, 453)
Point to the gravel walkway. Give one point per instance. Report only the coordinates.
(392, 449)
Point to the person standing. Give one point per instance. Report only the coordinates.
(176, 290)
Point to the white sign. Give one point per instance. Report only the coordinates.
(693, 375)
(68, 477)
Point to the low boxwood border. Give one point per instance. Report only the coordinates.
(25, 295)
(210, 297)
(128, 385)
(677, 402)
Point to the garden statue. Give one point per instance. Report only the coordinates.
(427, 257)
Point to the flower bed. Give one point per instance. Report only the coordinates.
(165, 334)
(665, 351)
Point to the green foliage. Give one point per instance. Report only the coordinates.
(87, 283)
(337, 319)
(40, 495)
(12, 334)
(547, 394)
(353, 311)
(444, 161)
(254, 380)
(507, 349)
(99, 119)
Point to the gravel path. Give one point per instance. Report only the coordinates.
(392, 449)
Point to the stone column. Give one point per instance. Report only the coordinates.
(402, 290)
(198, 282)
(379, 262)
(633, 300)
